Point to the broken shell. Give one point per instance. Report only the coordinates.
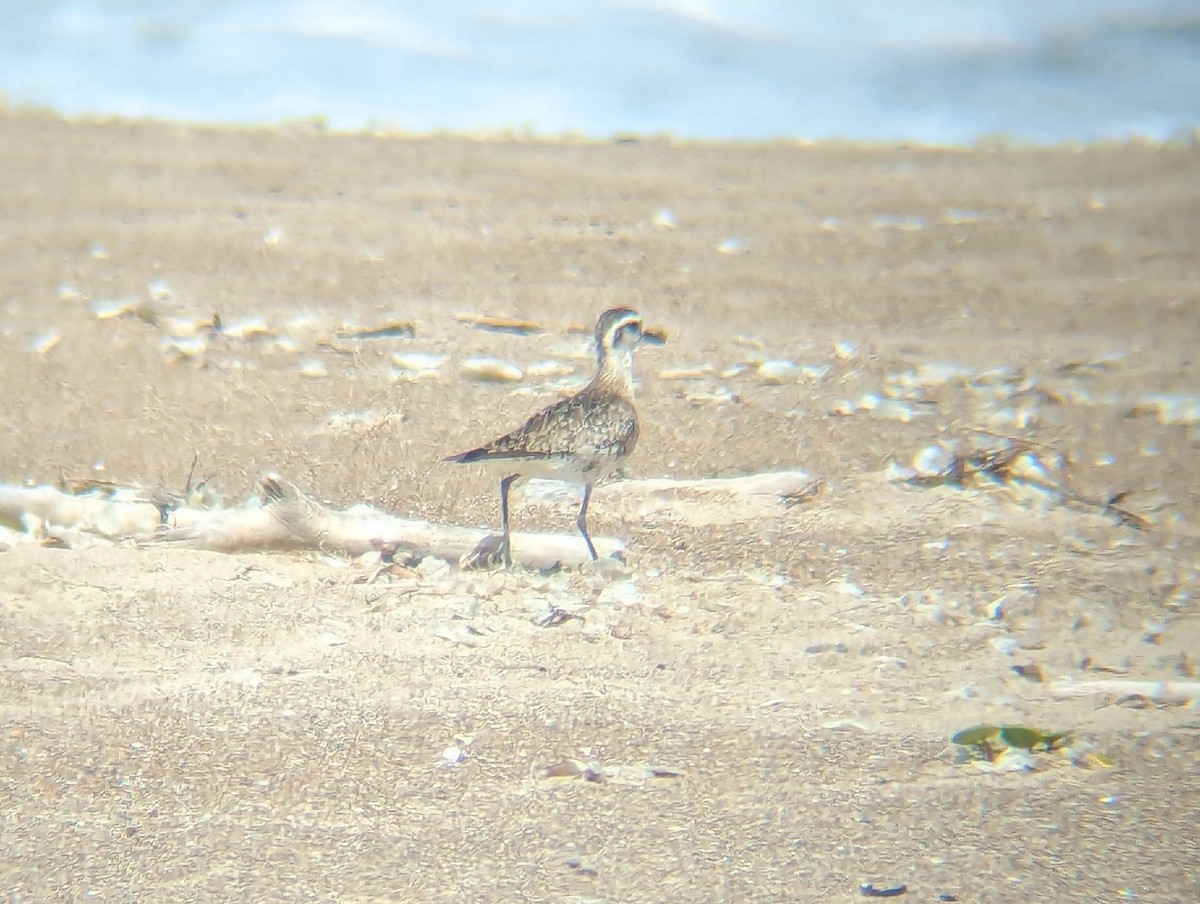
(845, 349)
(160, 290)
(67, 292)
(108, 308)
(777, 372)
(40, 345)
(1028, 467)
(815, 371)
(490, 370)
(934, 460)
(418, 362)
(180, 348)
(896, 410)
(249, 328)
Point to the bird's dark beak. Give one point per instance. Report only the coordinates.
(654, 337)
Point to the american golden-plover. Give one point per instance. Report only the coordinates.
(579, 439)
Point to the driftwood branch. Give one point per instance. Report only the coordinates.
(1175, 693)
(287, 519)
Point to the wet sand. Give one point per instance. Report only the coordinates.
(187, 725)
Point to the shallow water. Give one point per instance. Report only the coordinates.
(942, 71)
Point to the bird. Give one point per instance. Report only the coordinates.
(579, 439)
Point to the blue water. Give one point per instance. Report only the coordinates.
(939, 71)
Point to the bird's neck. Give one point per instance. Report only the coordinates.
(615, 373)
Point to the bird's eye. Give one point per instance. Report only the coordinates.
(630, 332)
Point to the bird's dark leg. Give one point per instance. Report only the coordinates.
(505, 547)
(581, 521)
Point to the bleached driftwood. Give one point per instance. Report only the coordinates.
(1176, 693)
(287, 519)
(123, 514)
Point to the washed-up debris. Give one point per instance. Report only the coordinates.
(846, 349)
(392, 329)
(1171, 409)
(247, 328)
(463, 635)
(815, 371)
(816, 648)
(1012, 747)
(1090, 367)
(314, 367)
(711, 394)
(776, 372)
(553, 616)
(899, 221)
(498, 324)
(1158, 693)
(802, 494)
(930, 374)
(42, 344)
(70, 294)
(1184, 667)
(490, 370)
(108, 308)
(664, 219)
(1031, 671)
(733, 245)
(868, 890)
(582, 868)
(456, 754)
(416, 365)
(160, 290)
(888, 409)
(183, 348)
(589, 771)
(1005, 377)
(1012, 464)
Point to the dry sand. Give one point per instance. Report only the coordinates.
(180, 725)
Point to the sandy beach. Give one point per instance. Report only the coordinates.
(759, 705)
